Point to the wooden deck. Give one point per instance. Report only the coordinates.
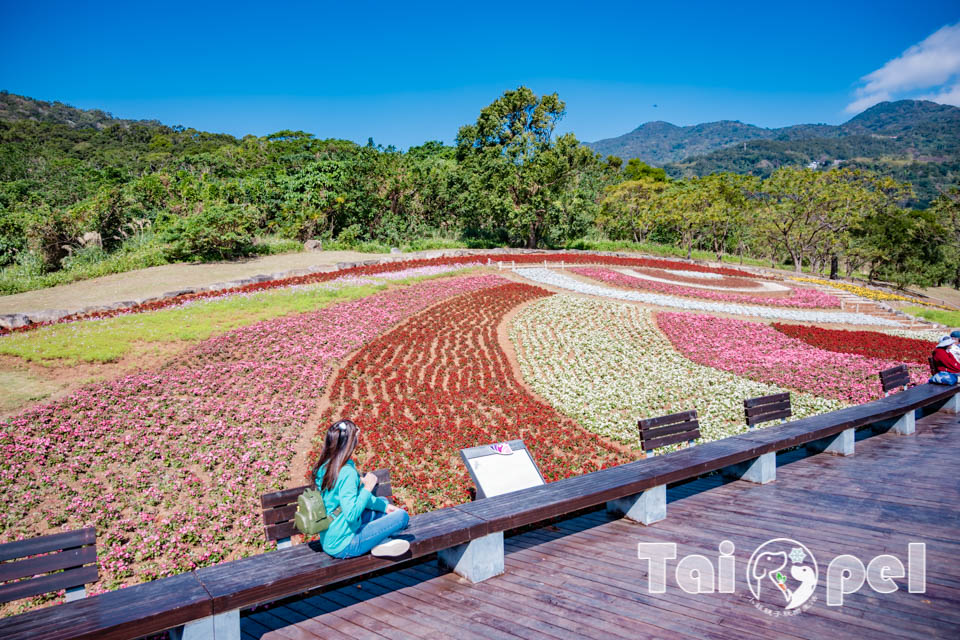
(581, 578)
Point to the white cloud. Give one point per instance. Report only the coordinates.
(933, 64)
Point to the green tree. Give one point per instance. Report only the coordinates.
(518, 171)
(637, 169)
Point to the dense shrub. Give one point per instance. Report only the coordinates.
(215, 232)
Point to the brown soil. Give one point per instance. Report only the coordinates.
(53, 379)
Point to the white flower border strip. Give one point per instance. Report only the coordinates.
(606, 364)
(551, 278)
(696, 274)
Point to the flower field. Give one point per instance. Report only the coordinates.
(169, 464)
(759, 352)
(865, 343)
(797, 298)
(607, 365)
(440, 383)
(563, 281)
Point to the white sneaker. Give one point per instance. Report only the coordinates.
(390, 548)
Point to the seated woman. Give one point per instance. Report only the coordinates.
(942, 358)
(363, 522)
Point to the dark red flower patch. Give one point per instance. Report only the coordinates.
(865, 343)
(439, 383)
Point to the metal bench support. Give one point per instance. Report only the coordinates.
(840, 444)
(476, 560)
(223, 626)
(76, 593)
(645, 507)
(760, 470)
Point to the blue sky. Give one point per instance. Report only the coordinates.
(404, 73)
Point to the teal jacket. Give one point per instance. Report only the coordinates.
(352, 498)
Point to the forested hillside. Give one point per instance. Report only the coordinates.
(83, 194)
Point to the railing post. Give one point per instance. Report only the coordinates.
(760, 470)
(476, 560)
(222, 626)
(645, 507)
(840, 444)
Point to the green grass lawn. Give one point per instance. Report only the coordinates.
(110, 339)
(949, 318)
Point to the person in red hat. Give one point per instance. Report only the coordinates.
(943, 359)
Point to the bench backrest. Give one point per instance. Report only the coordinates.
(766, 408)
(894, 377)
(676, 427)
(279, 506)
(72, 555)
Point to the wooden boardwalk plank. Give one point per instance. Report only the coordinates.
(580, 577)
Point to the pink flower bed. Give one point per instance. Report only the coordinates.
(169, 465)
(798, 298)
(760, 352)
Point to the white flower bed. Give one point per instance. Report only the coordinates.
(696, 274)
(607, 365)
(552, 278)
(933, 335)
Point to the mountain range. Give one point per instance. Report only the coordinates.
(912, 140)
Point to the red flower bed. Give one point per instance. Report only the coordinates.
(573, 258)
(440, 383)
(865, 343)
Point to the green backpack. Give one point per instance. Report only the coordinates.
(311, 517)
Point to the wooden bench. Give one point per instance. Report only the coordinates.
(279, 507)
(767, 408)
(49, 563)
(894, 377)
(462, 535)
(666, 430)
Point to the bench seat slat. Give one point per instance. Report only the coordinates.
(45, 584)
(273, 575)
(133, 612)
(50, 562)
(896, 384)
(280, 514)
(683, 416)
(765, 417)
(666, 430)
(772, 407)
(656, 443)
(46, 544)
(773, 398)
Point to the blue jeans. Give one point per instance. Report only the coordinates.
(375, 527)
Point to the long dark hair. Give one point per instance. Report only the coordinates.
(338, 446)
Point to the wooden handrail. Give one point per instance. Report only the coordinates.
(169, 602)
